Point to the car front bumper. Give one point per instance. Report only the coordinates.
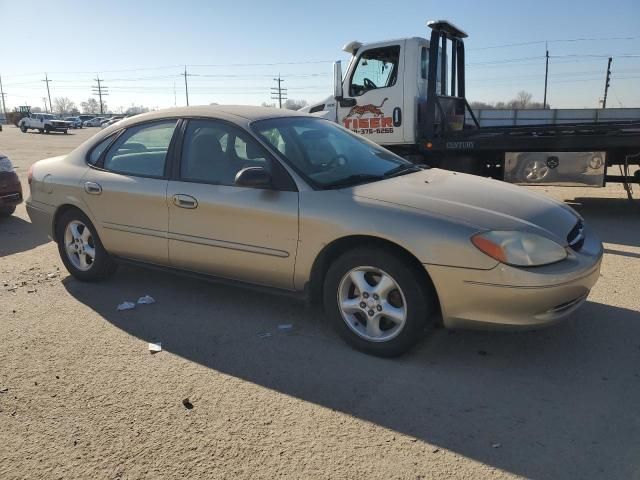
(507, 296)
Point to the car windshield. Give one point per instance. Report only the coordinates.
(48, 117)
(327, 155)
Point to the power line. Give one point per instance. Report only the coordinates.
(539, 42)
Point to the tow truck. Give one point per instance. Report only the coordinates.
(408, 95)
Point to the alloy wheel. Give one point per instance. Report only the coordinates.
(372, 304)
(79, 246)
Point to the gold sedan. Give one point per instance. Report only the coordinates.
(288, 201)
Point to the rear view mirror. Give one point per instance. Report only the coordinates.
(255, 177)
(337, 80)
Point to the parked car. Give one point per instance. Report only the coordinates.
(44, 123)
(94, 122)
(75, 122)
(290, 201)
(10, 188)
(86, 118)
(111, 121)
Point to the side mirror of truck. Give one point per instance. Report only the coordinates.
(337, 80)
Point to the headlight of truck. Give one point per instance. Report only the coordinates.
(5, 164)
(519, 248)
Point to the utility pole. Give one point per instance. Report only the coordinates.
(4, 107)
(44, 100)
(607, 83)
(46, 80)
(101, 91)
(278, 92)
(546, 77)
(186, 85)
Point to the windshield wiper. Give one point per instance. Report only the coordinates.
(353, 180)
(402, 170)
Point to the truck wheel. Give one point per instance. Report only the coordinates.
(46, 130)
(23, 129)
(65, 132)
(378, 302)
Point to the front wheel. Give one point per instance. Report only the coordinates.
(23, 128)
(378, 302)
(80, 248)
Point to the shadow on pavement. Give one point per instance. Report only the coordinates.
(615, 219)
(18, 235)
(555, 403)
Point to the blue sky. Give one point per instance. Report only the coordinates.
(234, 49)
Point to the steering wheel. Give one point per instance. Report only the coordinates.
(369, 84)
(337, 161)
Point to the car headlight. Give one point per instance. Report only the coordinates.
(5, 164)
(519, 248)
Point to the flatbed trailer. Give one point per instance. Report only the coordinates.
(570, 154)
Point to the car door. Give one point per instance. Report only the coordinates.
(218, 228)
(374, 94)
(126, 191)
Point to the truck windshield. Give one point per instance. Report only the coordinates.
(327, 155)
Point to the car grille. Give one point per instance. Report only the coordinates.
(576, 236)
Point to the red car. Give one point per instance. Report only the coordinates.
(10, 188)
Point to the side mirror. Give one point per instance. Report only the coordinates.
(254, 177)
(337, 80)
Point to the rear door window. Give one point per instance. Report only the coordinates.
(141, 150)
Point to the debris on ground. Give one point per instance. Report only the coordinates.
(482, 352)
(285, 326)
(264, 335)
(187, 404)
(496, 445)
(155, 347)
(146, 300)
(4, 390)
(126, 306)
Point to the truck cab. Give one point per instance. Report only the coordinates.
(381, 89)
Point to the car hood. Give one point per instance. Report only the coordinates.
(482, 203)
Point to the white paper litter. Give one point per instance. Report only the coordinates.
(126, 306)
(155, 347)
(264, 335)
(146, 300)
(285, 326)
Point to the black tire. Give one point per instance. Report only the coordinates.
(23, 128)
(102, 267)
(420, 297)
(7, 211)
(65, 132)
(46, 130)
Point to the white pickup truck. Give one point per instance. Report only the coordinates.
(44, 123)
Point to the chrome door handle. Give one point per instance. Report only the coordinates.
(92, 188)
(184, 201)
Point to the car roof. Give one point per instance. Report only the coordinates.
(225, 112)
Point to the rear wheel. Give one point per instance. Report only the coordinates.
(23, 128)
(80, 248)
(378, 302)
(7, 211)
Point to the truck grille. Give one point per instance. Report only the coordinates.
(576, 236)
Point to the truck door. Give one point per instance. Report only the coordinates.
(374, 95)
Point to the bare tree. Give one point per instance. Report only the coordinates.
(292, 104)
(63, 105)
(265, 104)
(91, 106)
(522, 100)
